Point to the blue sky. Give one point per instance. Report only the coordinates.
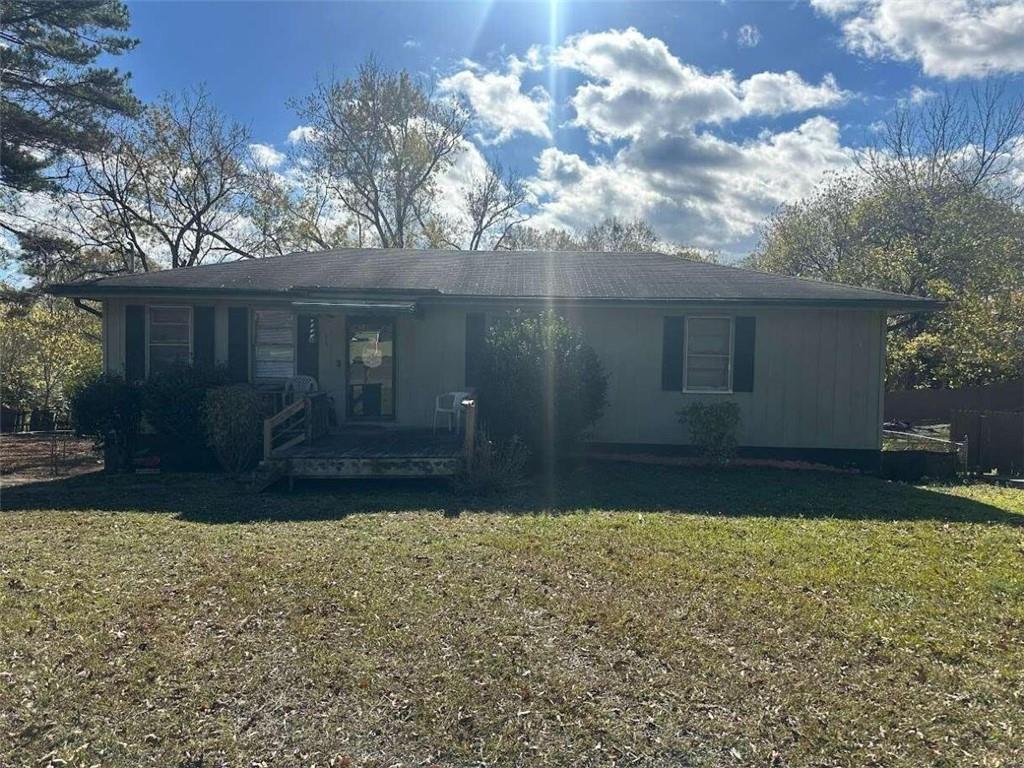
(700, 117)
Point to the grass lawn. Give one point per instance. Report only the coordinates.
(626, 615)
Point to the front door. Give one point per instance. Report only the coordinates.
(370, 352)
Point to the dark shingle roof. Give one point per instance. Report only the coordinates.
(493, 274)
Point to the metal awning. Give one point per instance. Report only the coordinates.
(379, 307)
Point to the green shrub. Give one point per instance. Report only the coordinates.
(109, 410)
(713, 429)
(540, 381)
(233, 419)
(172, 403)
(494, 468)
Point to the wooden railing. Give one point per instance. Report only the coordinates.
(305, 419)
(469, 437)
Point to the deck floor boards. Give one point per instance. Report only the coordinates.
(359, 443)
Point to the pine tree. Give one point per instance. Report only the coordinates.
(54, 100)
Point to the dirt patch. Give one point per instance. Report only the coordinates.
(27, 458)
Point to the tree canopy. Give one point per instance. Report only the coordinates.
(54, 100)
(380, 140)
(46, 350)
(931, 211)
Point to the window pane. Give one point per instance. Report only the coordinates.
(169, 315)
(707, 372)
(272, 369)
(162, 333)
(166, 356)
(273, 327)
(708, 335)
(371, 369)
(275, 352)
(275, 344)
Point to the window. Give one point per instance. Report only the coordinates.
(275, 344)
(708, 354)
(170, 337)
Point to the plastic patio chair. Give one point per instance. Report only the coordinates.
(449, 405)
(298, 386)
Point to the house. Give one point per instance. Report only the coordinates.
(384, 332)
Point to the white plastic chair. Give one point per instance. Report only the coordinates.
(449, 404)
(298, 386)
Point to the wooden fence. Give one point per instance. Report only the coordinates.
(995, 440)
(917, 405)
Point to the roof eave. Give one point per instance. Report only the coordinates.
(895, 305)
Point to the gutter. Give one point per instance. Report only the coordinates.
(322, 296)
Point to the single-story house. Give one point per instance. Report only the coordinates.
(384, 332)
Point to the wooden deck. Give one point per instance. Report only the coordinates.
(372, 452)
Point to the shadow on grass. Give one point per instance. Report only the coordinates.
(737, 492)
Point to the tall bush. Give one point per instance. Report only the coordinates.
(109, 410)
(713, 429)
(172, 402)
(233, 418)
(540, 381)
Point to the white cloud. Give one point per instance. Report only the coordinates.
(301, 133)
(950, 39)
(411, 43)
(748, 36)
(499, 103)
(266, 155)
(635, 81)
(692, 186)
(919, 95)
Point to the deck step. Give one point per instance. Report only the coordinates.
(268, 473)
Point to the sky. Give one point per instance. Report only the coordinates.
(699, 117)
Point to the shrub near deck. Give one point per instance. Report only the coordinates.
(669, 617)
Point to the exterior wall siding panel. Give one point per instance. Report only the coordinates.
(817, 372)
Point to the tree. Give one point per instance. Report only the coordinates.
(960, 142)
(491, 207)
(45, 352)
(611, 234)
(380, 140)
(53, 100)
(288, 214)
(614, 234)
(167, 190)
(932, 211)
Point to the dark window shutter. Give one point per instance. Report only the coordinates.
(134, 342)
(307, 346)
(203, 337)
(476, 332)
(238, 344)
(672, 354)
(744, 338)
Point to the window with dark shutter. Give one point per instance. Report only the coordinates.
(708, 354)
(476, 332)
(672, 354)
(134, 342)
(203, 337)
(238, 344)
(743, 364)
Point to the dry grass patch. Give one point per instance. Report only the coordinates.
(629, 615)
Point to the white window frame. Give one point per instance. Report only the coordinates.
(149, 335)
(686, 355)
